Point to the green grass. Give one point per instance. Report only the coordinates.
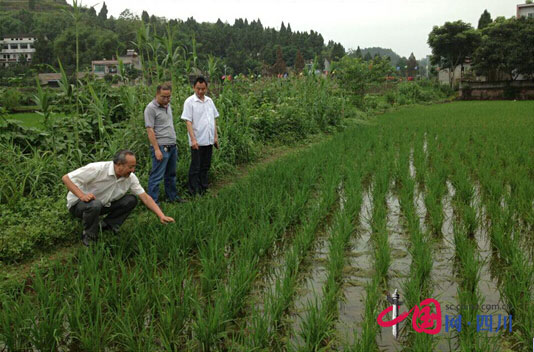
(32, 119)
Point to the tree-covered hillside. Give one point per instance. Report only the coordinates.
(242, 47)
(34, 5)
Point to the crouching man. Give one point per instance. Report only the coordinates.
(100, 188)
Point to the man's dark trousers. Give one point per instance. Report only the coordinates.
(89, 212)
(198, 170)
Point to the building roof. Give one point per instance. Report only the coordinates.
(105, 62)
(124, 59)
(49, 76)
(9, 36)
(53, 76)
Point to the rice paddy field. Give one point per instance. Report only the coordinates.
(433, 201)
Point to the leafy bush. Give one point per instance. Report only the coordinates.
(370, 102)
(390, 97)
(22, 234)
(10, 99)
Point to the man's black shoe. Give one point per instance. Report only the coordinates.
(105, 227)
(86, 239)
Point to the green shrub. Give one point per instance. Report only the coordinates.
(390, 97)
(37, 224)
(10, 99)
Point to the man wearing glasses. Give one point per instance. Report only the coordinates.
(160, 128)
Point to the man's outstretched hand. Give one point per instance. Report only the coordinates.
(166, 219)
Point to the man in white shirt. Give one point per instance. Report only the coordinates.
(100, 188)
(200, 114)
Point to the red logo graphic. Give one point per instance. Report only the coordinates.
(423, 319)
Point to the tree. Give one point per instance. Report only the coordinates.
(338, 51)
(279, 65)
(485, 20)
(299, 62)
(44, 51)
(358, 53)
(128, 15)
(380, 68)
(368, 56)
(103, 14)
(506, 46)
(145, 17)
(451, 44)
(412, 64)
(31, 4)
(353, 75)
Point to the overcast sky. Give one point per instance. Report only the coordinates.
(401, 25)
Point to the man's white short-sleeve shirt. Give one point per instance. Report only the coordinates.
(100, 179)
(202, 114)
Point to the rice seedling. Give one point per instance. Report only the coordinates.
(317, 327)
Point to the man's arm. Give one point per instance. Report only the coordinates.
(77, 191)
(194, 143)
(154, 143)
(216, 139)
(150, 204)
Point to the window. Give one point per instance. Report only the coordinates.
(531, 15)
(100, 69)
(5, 47)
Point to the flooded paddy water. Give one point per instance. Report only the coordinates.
(356, 275)
(399, 270)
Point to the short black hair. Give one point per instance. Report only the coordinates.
(120, 157)
(164, 86)
(200, 79)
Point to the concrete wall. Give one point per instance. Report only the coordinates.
(511, 90)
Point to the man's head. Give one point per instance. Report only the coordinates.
(124, 163)
(200, 86)
(163, 94)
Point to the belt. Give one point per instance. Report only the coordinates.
(167, 145)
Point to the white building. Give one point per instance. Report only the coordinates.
(103, 67)
(15, 48)
(445, 77)
(525, 10)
